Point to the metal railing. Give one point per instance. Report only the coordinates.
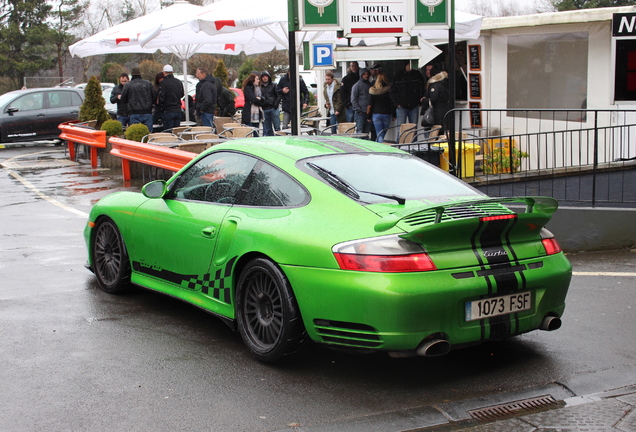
(580, 157)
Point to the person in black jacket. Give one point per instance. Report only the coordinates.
(206, 96)
(227, 107)
(283, 88)
(271, 101)
(352, 77)
(406, 93)
(437, 95)
(252, 111)
(381, 108)
(123, 115)
(157, 110)
(139, 94)
(170, 94)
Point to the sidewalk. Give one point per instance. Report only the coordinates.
(610, 411)
(602, 401)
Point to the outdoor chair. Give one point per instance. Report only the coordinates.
(220, 121)
(237, 132)
(148, 137)
(193, 147)
(164, 139)
(206, 135)
(177, 130)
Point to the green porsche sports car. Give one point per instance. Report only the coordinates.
(345, 242)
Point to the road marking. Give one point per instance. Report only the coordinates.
(53, 201)
(619, 274)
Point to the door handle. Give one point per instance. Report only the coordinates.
(41, 115)
(209, 231)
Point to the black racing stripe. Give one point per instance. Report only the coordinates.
(166, 275)
(476, 251)
(515, 260)
(491, 242)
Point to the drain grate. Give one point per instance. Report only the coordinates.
(496, 412)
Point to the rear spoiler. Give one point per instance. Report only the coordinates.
(544, 205)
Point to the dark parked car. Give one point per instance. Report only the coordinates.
(33, 114)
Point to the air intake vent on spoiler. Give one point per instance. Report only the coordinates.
(459, 212)
(349, 334)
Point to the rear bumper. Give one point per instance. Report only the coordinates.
(397, 311)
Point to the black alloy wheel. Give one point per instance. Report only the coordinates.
(268, 317)
(110, 259)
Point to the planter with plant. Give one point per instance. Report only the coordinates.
(503, 160)
(94, 106)
(112, 128)
(136, 132)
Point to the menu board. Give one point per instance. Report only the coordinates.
(474, 52)
(475, 114)
(475, 85)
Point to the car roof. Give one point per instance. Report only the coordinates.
(36, 89)
(300, 147)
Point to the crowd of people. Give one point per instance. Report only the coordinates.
(158, 105)
(367, 97)
(372, 100)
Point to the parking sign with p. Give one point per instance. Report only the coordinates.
(322, 55)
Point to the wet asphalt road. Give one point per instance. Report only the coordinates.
(76, 358)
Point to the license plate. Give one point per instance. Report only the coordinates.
(496, 306)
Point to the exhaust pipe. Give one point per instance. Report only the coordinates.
(550, 323)
(434, 348)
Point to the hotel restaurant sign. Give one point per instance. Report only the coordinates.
(374, 18)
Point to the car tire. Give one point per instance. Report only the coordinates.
(268, 316)
(110, 258)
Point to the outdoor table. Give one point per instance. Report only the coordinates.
(305, 120)
(302, 129)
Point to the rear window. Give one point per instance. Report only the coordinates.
(371, 177)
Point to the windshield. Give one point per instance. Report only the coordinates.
(383, 177)
(5, 98)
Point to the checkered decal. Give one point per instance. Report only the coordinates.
(220, 286)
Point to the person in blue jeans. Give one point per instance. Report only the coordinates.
(381, 106)
(349, 80)
(123, 114)
(407, 92)
(170, 94)
(271, 101)
(139, 94)
(333, 97)
(361, 101)
(206, 96)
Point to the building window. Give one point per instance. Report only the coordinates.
(547, 71)
(625, 82)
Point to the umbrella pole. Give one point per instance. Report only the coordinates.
(185, 84)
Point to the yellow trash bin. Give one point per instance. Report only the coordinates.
(468, 159)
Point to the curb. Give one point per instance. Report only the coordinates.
(608, 400)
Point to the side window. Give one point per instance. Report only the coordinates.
(29, 102)
(270, 187)
(76, 100)
(58, 99)
(216, 178)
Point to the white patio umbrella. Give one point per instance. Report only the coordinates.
(267, 22)
(156, 31)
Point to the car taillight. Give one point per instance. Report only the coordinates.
(551, 246)
(549, 242)
(385, 263)
(390, 254)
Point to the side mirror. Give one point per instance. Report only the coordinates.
(154, 189)
(12, 109)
